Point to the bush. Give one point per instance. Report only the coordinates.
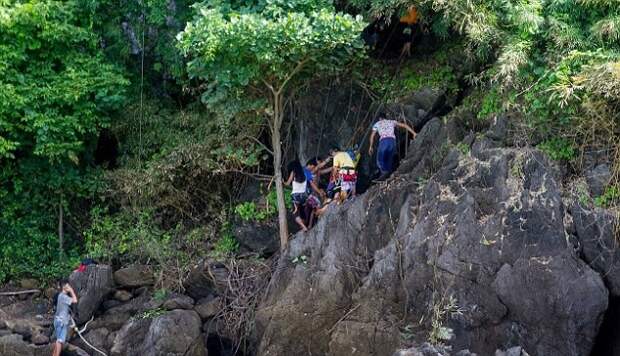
(226, 245)
(559, 149)
(611, 197)
(251, 211)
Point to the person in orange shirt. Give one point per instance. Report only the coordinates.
(410, 20)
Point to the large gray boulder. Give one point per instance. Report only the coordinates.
(174, 333)
(261, 238)
(467, 247)
(92, 287)
(134, 276)
(204, 278)
(596, 234)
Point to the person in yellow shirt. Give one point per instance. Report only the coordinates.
(343, 170)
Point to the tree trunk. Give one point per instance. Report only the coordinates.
(277, 119)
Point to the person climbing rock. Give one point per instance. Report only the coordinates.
(297, 178)
(315, 193)
(62, 320)
(313, 173)
(386, 129)
(343, 171)
(410, 30)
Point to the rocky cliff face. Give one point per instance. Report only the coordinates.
(472, 247)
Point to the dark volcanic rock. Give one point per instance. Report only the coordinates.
(208, 307)
(96, 337)
(472, 246)
(175, 333)
(599, 244)
(134, 276)
(598, 178)
(178, 301)
(203, 279)
(257, 237)
(91, 286)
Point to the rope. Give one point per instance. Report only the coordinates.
(79, 332)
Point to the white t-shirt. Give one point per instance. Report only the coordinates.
(385, 128)
(299, 187)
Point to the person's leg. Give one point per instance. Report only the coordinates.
(385, 156)
(380, 157)
(311, 221)
(60, 332)
(406, 51)
(308, 213)
(301, 224)
(297, 214)
(390, 152)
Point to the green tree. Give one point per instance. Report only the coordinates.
(56, 91)
(263, 53)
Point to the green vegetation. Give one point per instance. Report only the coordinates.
(611, 197)
(434, 71)
(558, 148)
(226, 245)
(150, 314)
(56, 91)
(303, 260)
(253, 211)
(463, 148)
(278, 47)
(491, 104)
(197, 96)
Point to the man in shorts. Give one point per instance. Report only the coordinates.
(62, 319)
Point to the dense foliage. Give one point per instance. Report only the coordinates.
(56, 91)
(193, 92)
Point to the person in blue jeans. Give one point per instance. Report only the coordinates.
(62, 320)
(386, 129)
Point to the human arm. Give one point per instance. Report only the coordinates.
(325, 171)
(316, 188)
(319, 167)
(289, 181)
(406, 127)
(72, 294)
(372, 141)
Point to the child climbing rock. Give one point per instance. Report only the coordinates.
(387, 143)
(297, 178)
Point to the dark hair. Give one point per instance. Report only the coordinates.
(63, 282)
(298, 171)
(313, 161)
(381, 116)
(334, 148)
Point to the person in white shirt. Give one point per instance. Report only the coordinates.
(297, 178)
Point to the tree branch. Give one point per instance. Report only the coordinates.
(259, 143)
(296, 70)
(29, 291)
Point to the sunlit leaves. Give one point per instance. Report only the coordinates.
(238, 53)
(57, 86)
(607, 29)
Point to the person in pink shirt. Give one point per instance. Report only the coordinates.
(386, 129)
